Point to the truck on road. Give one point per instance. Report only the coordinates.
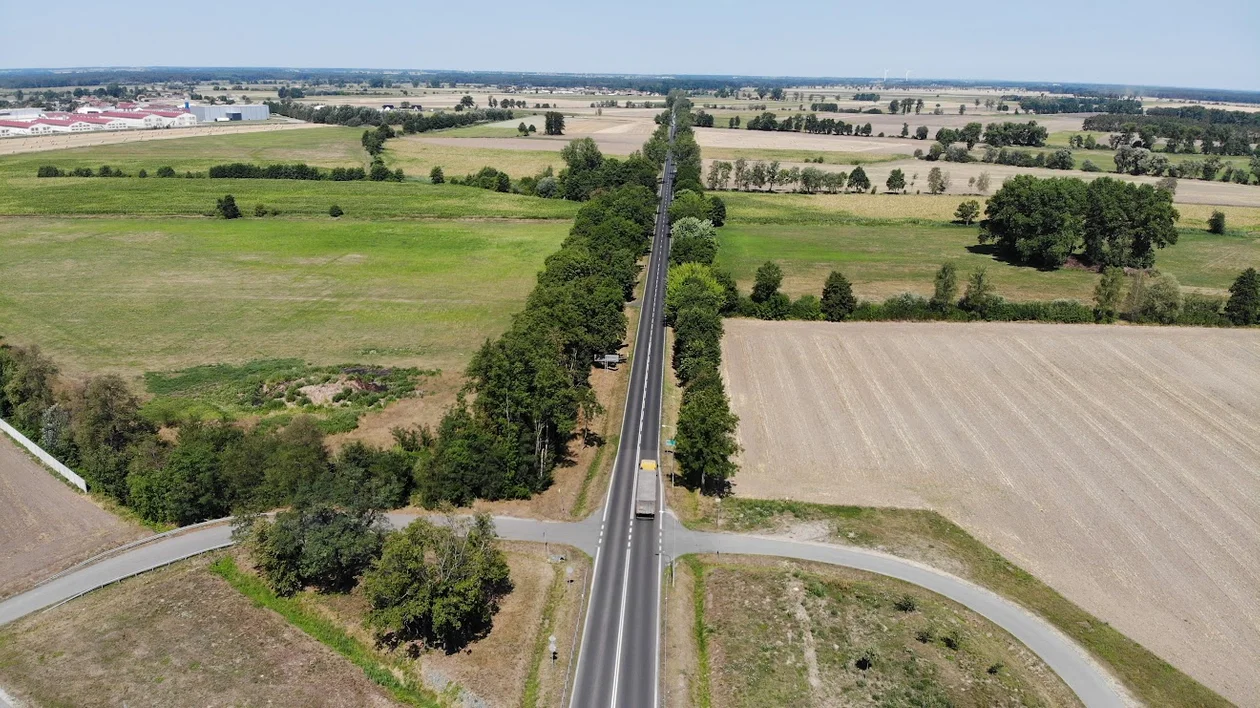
(645, 486)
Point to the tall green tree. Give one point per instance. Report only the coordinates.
(1243, 307)
(858, 180)
(766, 282)
(1108, 294)
(438, 584)
(896, 180)
(1124, 223)
(838, 301)
(553, 123)
(1035, 221)
(706, 436)
(945, 287)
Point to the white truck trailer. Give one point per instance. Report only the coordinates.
(645, 486)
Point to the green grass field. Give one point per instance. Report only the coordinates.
(809, 236)
(324, 146)
(22, 193)
(136, 295)
(416, 156)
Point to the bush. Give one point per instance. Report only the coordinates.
(436, 176)
(227, 208)
(1155, 299)
(321, 547)
(1216, 222)
(166, 171)
(806, 308)
(49, 171)
(260, 210)
(439, 584)
(335, 211)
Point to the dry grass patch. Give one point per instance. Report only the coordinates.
(178, 636)
(782, 632)
(45, 525)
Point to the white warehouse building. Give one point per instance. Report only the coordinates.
(211, 114)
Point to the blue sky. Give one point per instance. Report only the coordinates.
(1210, 43)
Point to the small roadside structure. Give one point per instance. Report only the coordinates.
(609, 361)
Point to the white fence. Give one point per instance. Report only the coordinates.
(44, 457)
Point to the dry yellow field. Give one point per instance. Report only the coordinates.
(1115, 463)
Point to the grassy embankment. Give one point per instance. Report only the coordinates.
(774, 632)
(888, 244)
(931, 538)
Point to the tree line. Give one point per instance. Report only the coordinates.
(1145, 297)
(1180, 133)
(741, 175)
(697, 296)
(530, 388)
(411, 121)
(209, 469)
(1046, 105)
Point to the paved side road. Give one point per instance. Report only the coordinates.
(1090, 683)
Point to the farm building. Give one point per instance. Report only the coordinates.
(46, 122)
(13, 128)
(210, 114)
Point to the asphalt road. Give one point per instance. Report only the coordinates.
(618, 664)
(1060, 653)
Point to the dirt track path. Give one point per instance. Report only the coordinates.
(1118, 464)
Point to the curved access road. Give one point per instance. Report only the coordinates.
(1090, 683)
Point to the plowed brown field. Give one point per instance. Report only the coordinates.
(45, 526)
(1120, 465)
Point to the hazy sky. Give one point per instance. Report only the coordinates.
(1210, 43)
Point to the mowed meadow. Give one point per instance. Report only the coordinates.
(129, 275)
(887, 244)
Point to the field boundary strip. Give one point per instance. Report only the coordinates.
(43, 456)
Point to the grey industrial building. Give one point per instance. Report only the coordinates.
(210, 114)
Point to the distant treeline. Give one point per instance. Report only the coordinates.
(41, 78)
(1080, 104)
(411, 122)
(1181, 133)
(239, 170)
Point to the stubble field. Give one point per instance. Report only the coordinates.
(1115, 463)
(46, 527)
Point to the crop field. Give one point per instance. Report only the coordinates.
(808, 236)
(1115, 463)
(176, 636)
(519, 157)
(45, 526)
(132, 295)
(783, 633)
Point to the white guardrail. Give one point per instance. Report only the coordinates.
(43, 456)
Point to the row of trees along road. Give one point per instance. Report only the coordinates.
(697, 296)
(529, 389)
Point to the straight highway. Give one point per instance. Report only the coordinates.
(618, 664)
